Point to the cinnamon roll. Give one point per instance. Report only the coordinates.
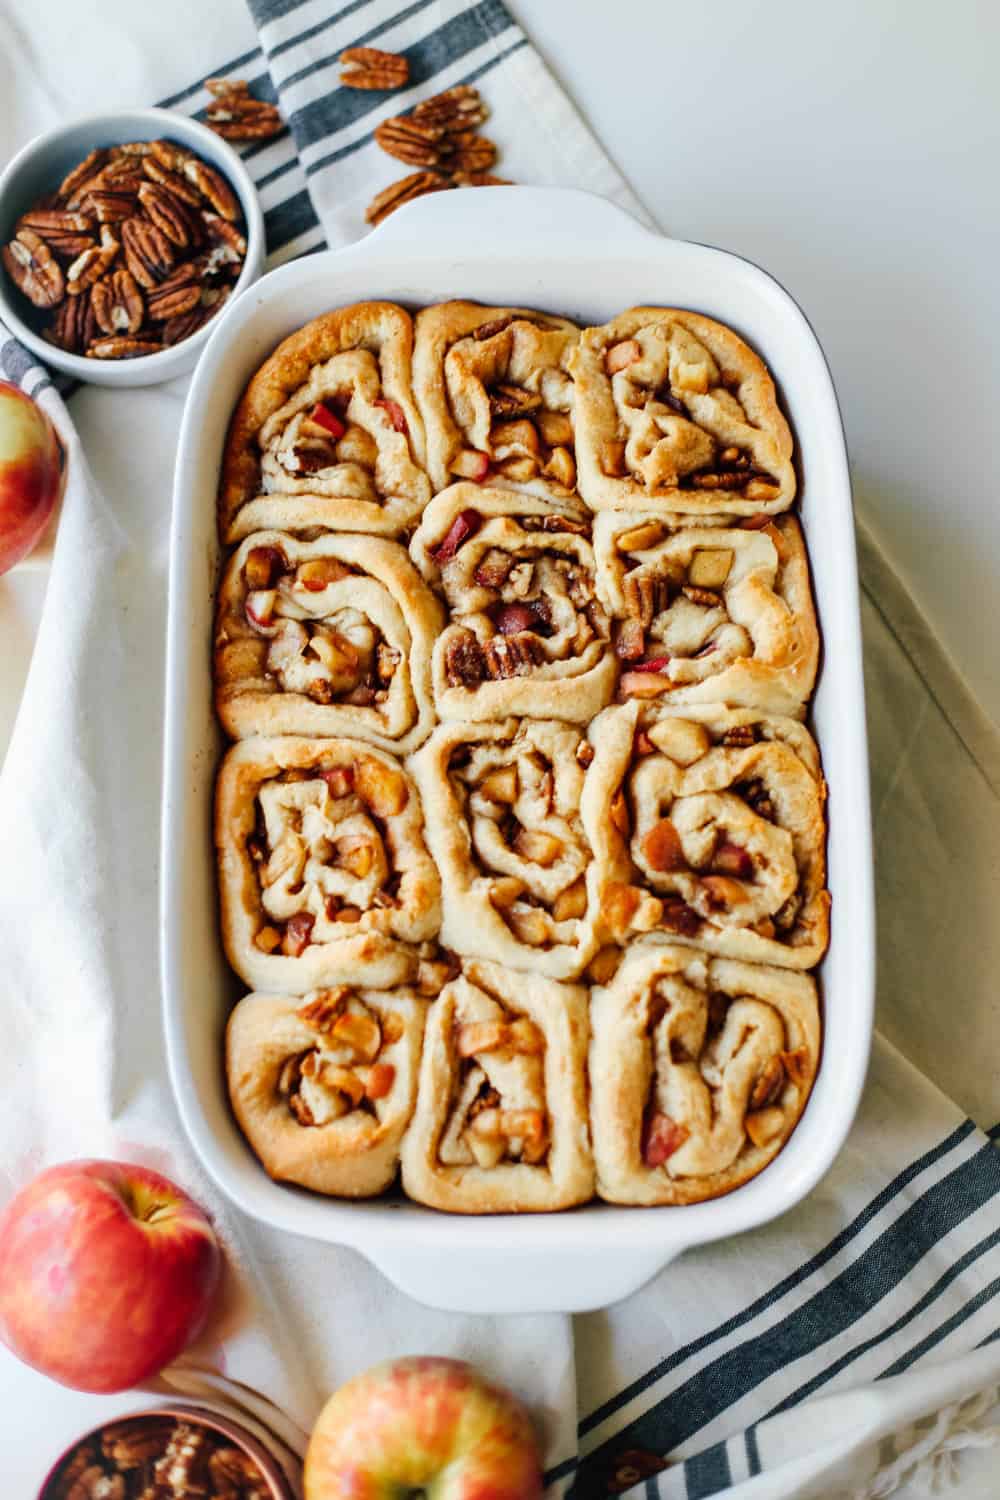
(494, 391)
(323, 1087)
(327, 433)
(327, 637)
(717, 613)
(707, 824)
(526, 633)
(324, 877)
(699, 1069)
(673, 410)
(500, 1124)
(502, 803)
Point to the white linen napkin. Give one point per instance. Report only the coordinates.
(868, 1300)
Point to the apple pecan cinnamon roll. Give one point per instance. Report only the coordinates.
(327, 434)
(494, 391)
(526, 633)
(324, 1087)
(327, 637)
(709, 613)
(707, 824)
(699, 1071)
(502, 803)
(324, 876)
(673, 409)
(501, 1119)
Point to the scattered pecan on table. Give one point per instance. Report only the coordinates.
(236, 115)
(135, 250)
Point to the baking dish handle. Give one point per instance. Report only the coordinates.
(463, 220)
(507, 1281)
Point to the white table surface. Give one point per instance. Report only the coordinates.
(851, 150)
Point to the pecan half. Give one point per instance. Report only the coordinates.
(122, 348)
(236, 115)
(513, 655)
(82, 173)
(471, 152)
(117, 302)
(212, 186)
(158, 171)
(32, 267)
(74, 326)
(173, 301)
(403, 191)
(707, 598)
(479, 179)
(149, 255)
(228, 245)
(57, 221)
(411, 141)
(464, 662)
(740, 736)
(459, 108)
(178, 221)
(181, 327)
(93, 263)
(110, 206)
(371, 68)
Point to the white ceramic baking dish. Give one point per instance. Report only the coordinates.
(571, 253)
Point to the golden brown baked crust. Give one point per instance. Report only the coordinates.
(324, 1086)
(492, 384)
(720, 613)
(673, 410)
(324, 877)
(707, 824)
(327, 637)
(501, 1119)
(526, 633)
(699, 1071)
(283, 470)
(502, 803)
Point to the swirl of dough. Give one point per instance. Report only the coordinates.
(673, 407)
(699, 1069)
(323, 871)
(526, 633)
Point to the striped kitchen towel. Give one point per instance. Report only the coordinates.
(850, 1348)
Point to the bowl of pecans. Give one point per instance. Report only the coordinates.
(122, 236)
(172, 1453)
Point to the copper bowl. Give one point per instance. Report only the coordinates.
(279, 1486)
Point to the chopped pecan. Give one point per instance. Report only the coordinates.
(464, 661)
(403, 191)
(645, 596)
(149, 255)
(123, 348)
(131, 1443)
(740, 736)
(95, 1484)
(721, 479)
(787, 915)
(178, 221)
(757, 796)
(409, 140)
(513, 655)
(679, 917)
(117, 302)
(630, 643)
(705, 597)
(513, 401)
(371, 68)
(459, 108)
(74, 326)
(491, 327)
(32, 267)
(769, 1084)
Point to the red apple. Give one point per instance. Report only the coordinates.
(107, 1272)
(31, 473)
(426, 1425)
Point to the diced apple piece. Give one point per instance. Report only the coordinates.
(518, 470)
(661, 1138)
(356, 855)
(340, 781)
(319, 572)
(529, 926)
(523, 1124)
(662, 848)
(630, 641)
(380, 1080)
(796, 1065)
(480, 1036)
(381, 788)
(765, 1125)
(732, 859)
(612, 458)
(343, 1081)
(604, 965)
(536, 847)
(465, 524)
(619, 813)
(298, 934)
(268, 939)
(505, 891)
(262, 567)
(360, 1033)
(514, 619)
(358, 447)
(722, 892)
(620, 356)
(571, 903)
(561, 468)
(395, 413)
(641, 538)
(500, 785)
(710, 567)
(555, 427)
(682, 739)
(260, 607)
(328, 419)
(524, 1036)
(468, 463)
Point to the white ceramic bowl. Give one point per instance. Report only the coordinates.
(571, 253)
(40, 166)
